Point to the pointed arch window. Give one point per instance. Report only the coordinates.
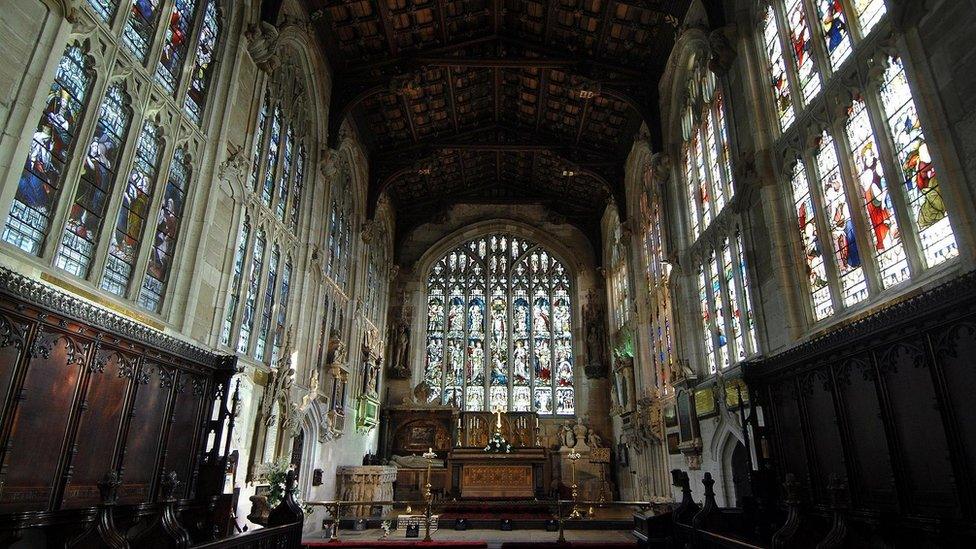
(105, 9)
(204, 62)
(51, 148)
(499, 328)
(658, 273)
(176, 42)
(80, 236)
(140, 26)
(868, 195)
(167, 232)
(131, 221)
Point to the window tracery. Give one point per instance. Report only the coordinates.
(875, 206)
(499, 328)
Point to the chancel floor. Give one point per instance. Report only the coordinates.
(493, 537)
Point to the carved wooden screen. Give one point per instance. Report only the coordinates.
(85, 393)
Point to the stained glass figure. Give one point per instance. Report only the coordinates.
(282, 312)
(707, 322)
(175, 44)
(251, 299)
(80, 237)
(167, 232)
(920, 179)
(833, 25)
(778, 78)
(299, 186)
(238, 276)
(498, 351)
(269, 302)
(875, 198)
(131, 221)
(51, 148)
(140, 26)
(806, 218)
(718, 322)
(260, 129)
(802, 46)
(748, 317)
(203, 63)
(105, 9)
(267, 192)
(843, 234)
(285, 185)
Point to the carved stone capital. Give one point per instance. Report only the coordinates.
(722, 53)
(263, 46)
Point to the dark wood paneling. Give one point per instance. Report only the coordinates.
(103, 412)
(145, 430)
(41, 419)
(183, 431)
(816, 394)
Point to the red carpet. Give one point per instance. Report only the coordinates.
(569, 544)
(366, 544)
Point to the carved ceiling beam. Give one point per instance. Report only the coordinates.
(441, 21)
(450, 100)
(386, 24)
(497, 91)
(405, 105)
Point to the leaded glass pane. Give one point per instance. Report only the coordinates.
(267, 192)
(778, 79)
(84, 222)
(203, 64)
(140, 26)
(806, 217)
(50, 151)
(235, 285)
(269, 301)
(706, 322)
(175, 43)
(875, 198)
(921, 182)
(253, 286)
(718, 325)
(167, 232)
(833, 25)
(105, 9)
(869, 13)
(131, 221)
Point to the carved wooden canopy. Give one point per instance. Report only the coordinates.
(496, 101)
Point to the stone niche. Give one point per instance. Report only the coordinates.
(365, 483)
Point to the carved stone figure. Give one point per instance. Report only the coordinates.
(337, 354)
(400, 338)
(568, 436)
(421, 393)
(595, 336)
(263, 46)
(593, 440)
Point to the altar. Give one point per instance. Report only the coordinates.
(475, 473)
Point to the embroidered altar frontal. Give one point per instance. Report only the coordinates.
(497, 481)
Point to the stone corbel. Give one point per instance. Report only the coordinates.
(722, 53)
(263, 46)
(692, 450)
(235, 167)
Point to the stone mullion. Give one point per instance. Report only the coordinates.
(824, 235)
(865, 233)
(907, 227)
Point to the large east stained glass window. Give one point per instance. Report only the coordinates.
(84, 223)
(867, 199)
(131, 221)
(499, 328)
(50, 150)
(167, 231)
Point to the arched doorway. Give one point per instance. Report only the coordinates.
(739, 467)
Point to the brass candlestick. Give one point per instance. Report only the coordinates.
(575, 514)
(428, 494)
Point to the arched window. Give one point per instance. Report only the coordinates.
(276, 182)
(727, 329)
(125, 156)
(860, 233)
(51, 148)
(658, 274)
(499, 328)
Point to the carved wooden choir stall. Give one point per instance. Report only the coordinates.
(111, 432)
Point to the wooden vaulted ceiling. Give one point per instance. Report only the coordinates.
(496, 101)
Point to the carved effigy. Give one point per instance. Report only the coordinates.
(364, 483)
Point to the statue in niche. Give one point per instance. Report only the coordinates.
(593, 440)
(593, 322)
(337, 354)
(400, 341)
(567, 435)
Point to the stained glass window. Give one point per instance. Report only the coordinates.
(806, 216)
(105, 9)
(707, 322)
(140, 27)
(869, 14)
(167, 232)
(843, 234)
(296, 194)
(339, 229)
(875, 198)
(833, 25)
(84, 222)
(778, 77)
(175, 44)
(253, 287)
(658, 276)
(745, 303)
(270, 289)
(802, 46)
(718, 307)
(235, 285)
(267, 193)
(129, 226)
(259, 140)
(203, 63)
(920, 180)
(282, 312)
(282, 205)
(51, 147)
(507, 301)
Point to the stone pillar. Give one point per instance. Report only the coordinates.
(364, 483)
